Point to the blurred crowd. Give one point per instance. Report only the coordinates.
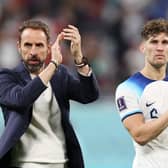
(110, 31)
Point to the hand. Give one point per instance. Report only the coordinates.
(56, 54)
(71, 33)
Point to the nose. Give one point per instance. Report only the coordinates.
(160, 46)
(33, 50)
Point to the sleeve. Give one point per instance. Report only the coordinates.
(127, 101)
(16, 95)
(83, 89)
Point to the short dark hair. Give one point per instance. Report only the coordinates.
(37, 25)
(153, 27)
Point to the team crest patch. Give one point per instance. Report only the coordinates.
(121, 103)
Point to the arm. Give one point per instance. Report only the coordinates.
(84, 88)
(132, 110)
(16, 95)
(143, 132)
(72, 33)
(56, 57)
(155, 118)
(78, 87)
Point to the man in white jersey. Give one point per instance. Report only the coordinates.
(141, 109)
(35, 100)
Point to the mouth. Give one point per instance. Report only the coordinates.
(33, 62)
(159, 56)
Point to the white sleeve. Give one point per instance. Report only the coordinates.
(127, 101)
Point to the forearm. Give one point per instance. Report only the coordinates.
(85, 90)
(150, 129)
(14, 95)
(48, 72)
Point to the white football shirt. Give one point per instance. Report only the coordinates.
(139, 94)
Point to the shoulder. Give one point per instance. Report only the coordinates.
(127, 95)
(157, 83)
(5, 71)
(157, 88)
(128, 83)
(14, 71)
(136, 83)
(14, 74)
(6, 76)
(130, 89)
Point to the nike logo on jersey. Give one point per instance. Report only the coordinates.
(149, 104)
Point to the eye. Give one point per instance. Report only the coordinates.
(165, 42)
(40, 45)
(154, 41)
(28, 45)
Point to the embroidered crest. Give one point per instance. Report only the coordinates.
(121, 103)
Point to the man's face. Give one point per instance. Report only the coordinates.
(34, 49)
(155, 50)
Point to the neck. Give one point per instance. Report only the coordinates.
(154, 73)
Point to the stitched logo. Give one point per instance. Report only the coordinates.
(121, 103)
(149, 104)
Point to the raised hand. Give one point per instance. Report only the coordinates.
(72, 33)
(56, 54)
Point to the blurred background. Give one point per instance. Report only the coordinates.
(110, 31)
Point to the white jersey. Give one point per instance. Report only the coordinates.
(139, 94)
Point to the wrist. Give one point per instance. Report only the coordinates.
(54, 63)
(83, 62)
(78, 59)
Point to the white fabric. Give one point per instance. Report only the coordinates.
(152, 102)
(44, 141)
(130, 98)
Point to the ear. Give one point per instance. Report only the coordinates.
(142, 47)
(18, 47)
(49, 49)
